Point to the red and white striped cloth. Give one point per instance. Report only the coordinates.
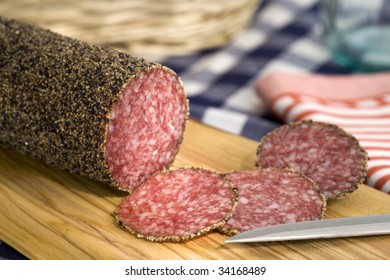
(358, 103)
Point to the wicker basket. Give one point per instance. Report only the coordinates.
(141, 27)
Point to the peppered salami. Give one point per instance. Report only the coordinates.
(178, 205)
(87, 109)
(324, 152)
(270, 196)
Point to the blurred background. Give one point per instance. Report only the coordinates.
(141, 27)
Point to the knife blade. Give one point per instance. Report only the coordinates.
(326, 228)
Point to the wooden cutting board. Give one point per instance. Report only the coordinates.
(47, 213)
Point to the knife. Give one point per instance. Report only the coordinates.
(327, 228)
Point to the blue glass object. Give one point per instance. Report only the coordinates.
(357, 33)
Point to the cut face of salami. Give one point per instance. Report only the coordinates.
(272, 196)
(146, 127)
(178, 205)
(323, 152)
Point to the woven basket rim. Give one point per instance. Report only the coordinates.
(157, 27)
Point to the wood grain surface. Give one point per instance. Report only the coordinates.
(47, 213)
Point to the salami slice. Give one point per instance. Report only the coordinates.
(324, 152)
(87, 109)
(178, 205)
(273, 196)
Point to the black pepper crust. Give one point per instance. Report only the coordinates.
(56, 95)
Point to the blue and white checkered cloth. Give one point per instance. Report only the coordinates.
(284, 35)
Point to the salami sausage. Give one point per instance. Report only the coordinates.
(324, 152)
(270, 196)
(178, 205)
(87, 109)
